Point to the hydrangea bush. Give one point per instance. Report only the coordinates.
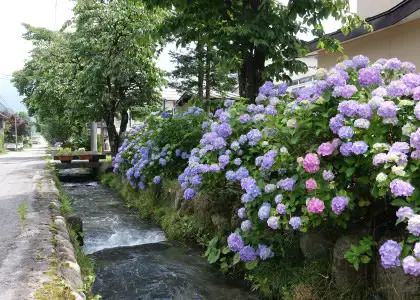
(159, 146)
(344, 149)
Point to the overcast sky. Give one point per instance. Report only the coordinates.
(50, 14)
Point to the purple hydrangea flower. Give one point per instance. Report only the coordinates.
(411, 80)
(196, 180)
(273, 222)
(328, 175)
(281, 208)
(345, 132)
(235, 242)
(387, 109)
(248, 254)
(364, 111)
(282, 89)
(258, 118)
(254, 136)
(401, 188)
(336, 79)
(162, 161)
(346, 149)
(348, 108)
(390, 253)
(397, 89)
(404, 213)
(270, 110)
(243, 139)
(223, 161)
(242, 173)
(379, 159)
(346, 91)
(369, 76)
(189, 194)
(264, 252)
(237, 161)
(205, 125)
(264, 211)
(360, 61)
(416, 94)
(339, 204)
(409, 66)
(246, 225)
(267, 88)
(224, 130)
(415, 155)
(393, 64)
(295, 222)
(359, 147)
(379, 92)
(242, 213)
(336, 123)
(400, 147)
(287, 184)
(244, 118)
(229, 103)
(416, 250)
(411, 266)
(415, 139)
(156, 180)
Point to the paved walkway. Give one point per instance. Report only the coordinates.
(23, 248)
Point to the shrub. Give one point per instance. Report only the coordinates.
(342, 151)
(159, 146)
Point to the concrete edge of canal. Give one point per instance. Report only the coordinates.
(63, 261)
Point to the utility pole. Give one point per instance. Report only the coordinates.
(16, 132)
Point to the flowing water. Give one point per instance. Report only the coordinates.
(133, 258)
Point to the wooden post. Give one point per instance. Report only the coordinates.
(102, 136)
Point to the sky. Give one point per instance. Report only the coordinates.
(50, 14)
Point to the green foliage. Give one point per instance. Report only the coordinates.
(22, 210)
(361, 253)
(186, 76)
(250, 33)
(98, 71)
(1, 140)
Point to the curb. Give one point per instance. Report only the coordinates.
(64, 252)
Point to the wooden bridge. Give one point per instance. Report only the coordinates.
(85, 161)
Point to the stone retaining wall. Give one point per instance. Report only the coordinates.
(67, 267)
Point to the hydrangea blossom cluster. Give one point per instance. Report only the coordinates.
(296, 158)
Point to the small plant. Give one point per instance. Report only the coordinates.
(361, 253)
(80, 151)
(64, 152)
(22, 212)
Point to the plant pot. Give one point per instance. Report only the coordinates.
(85, 157)
(65, 158)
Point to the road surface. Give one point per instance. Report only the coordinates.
(24, 248)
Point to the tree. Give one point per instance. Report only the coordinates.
(96, 68)
(252, 33)
(189, 71)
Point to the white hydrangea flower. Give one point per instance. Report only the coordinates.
(381, 177)
(408, 129)
(375, 102)
(291, 123)
(398, 170)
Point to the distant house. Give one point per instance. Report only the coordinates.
(396, 33)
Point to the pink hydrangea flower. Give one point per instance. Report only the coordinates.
(315, 206)
(311, 163)
(326, 149)
(311, 184)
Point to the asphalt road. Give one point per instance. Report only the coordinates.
(24, 248)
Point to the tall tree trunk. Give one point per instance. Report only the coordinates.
(208, 69)
(114, 138)
(124, 122)
(200, 61)
(253, 62)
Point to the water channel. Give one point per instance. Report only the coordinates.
(132, 256)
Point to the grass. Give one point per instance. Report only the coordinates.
(22, 212)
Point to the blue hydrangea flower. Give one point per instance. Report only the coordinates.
(246, 225)
(264, 252)
(264, 211)
(235, 242)
(247, 254)
(156, 180)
